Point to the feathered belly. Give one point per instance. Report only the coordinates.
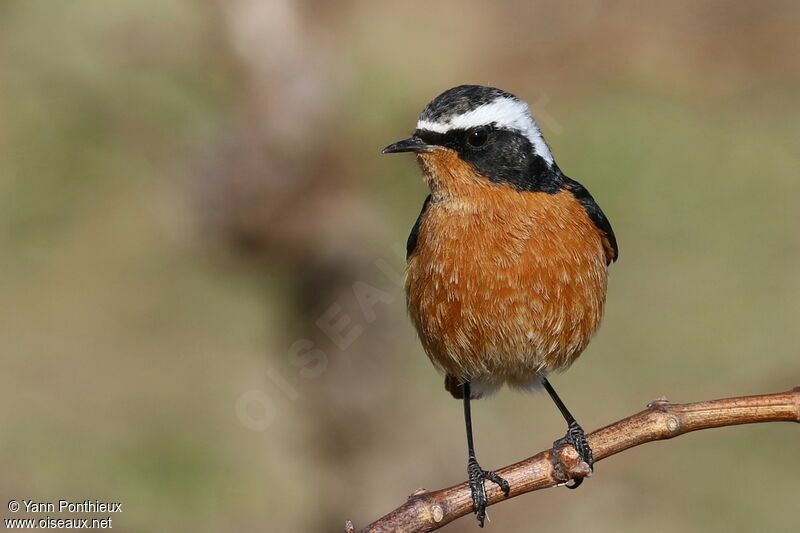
(506, 301)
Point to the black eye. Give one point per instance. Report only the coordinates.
(477, 137)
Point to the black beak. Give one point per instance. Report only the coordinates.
(412, 144)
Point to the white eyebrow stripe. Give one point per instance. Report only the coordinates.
(508, 113)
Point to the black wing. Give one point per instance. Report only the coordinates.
(596, 215)
(411, 244)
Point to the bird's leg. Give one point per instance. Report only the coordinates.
(575, 435)
(477, 475)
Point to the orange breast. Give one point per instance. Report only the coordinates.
(505, 286)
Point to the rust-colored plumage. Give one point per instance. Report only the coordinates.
(504, 285)
(507, 262)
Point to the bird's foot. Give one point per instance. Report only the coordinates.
(576, 438)
(477, 484)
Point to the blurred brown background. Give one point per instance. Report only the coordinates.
(192, 198)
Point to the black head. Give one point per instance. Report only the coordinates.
(490, 129)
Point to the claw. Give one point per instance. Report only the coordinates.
(576, 482)
(576, 438)
(477, 484)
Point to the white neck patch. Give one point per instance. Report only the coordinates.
(504, 112)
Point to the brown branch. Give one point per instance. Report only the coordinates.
(427, 511)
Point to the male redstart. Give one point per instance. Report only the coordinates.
(508, 260)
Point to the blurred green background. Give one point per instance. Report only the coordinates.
(191, 195)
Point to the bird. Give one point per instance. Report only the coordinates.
(507, 262)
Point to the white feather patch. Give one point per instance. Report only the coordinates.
(505, 112)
